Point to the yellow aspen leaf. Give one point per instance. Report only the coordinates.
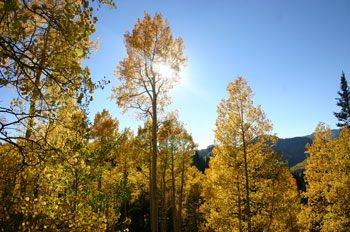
(79, 52)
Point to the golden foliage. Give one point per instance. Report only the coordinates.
(149, 44)
(328, 182)
(246, 186)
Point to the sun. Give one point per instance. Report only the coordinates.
(164, 70)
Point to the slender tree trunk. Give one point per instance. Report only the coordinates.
(246, 181)
(125, 177)
(36, 91)
(154, 209)
(196, 217)
(125, 209)
(179, 213)
(75, 189)
(163, 208)
(271, 214)
(236, 166)
(99, 187)
(32, 109)
(239, 205)
(173, 203)
(150, 180)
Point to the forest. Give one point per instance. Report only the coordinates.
(59, 171)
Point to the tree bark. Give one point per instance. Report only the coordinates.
(179, 213)
(239, 205)
(246, 180)
(163, 207)
(173, 203)
(32, 109)
(154, 209)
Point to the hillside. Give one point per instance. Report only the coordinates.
(293, 150)
(300, 166)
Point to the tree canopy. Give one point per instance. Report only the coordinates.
(59, 171)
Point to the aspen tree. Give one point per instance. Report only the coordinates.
(327, 176)
(237, 191)
(317, 166)
(42, 45)
(146, 75)
(176, 149)
(338, 196)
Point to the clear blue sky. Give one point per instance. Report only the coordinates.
(290, 52)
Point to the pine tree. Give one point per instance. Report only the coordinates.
(344, 102)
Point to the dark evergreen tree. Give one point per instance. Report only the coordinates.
(201, 163)
(344, 102)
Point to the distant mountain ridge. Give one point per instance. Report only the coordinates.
(293, 150)
(296, 159)
(207, 152)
